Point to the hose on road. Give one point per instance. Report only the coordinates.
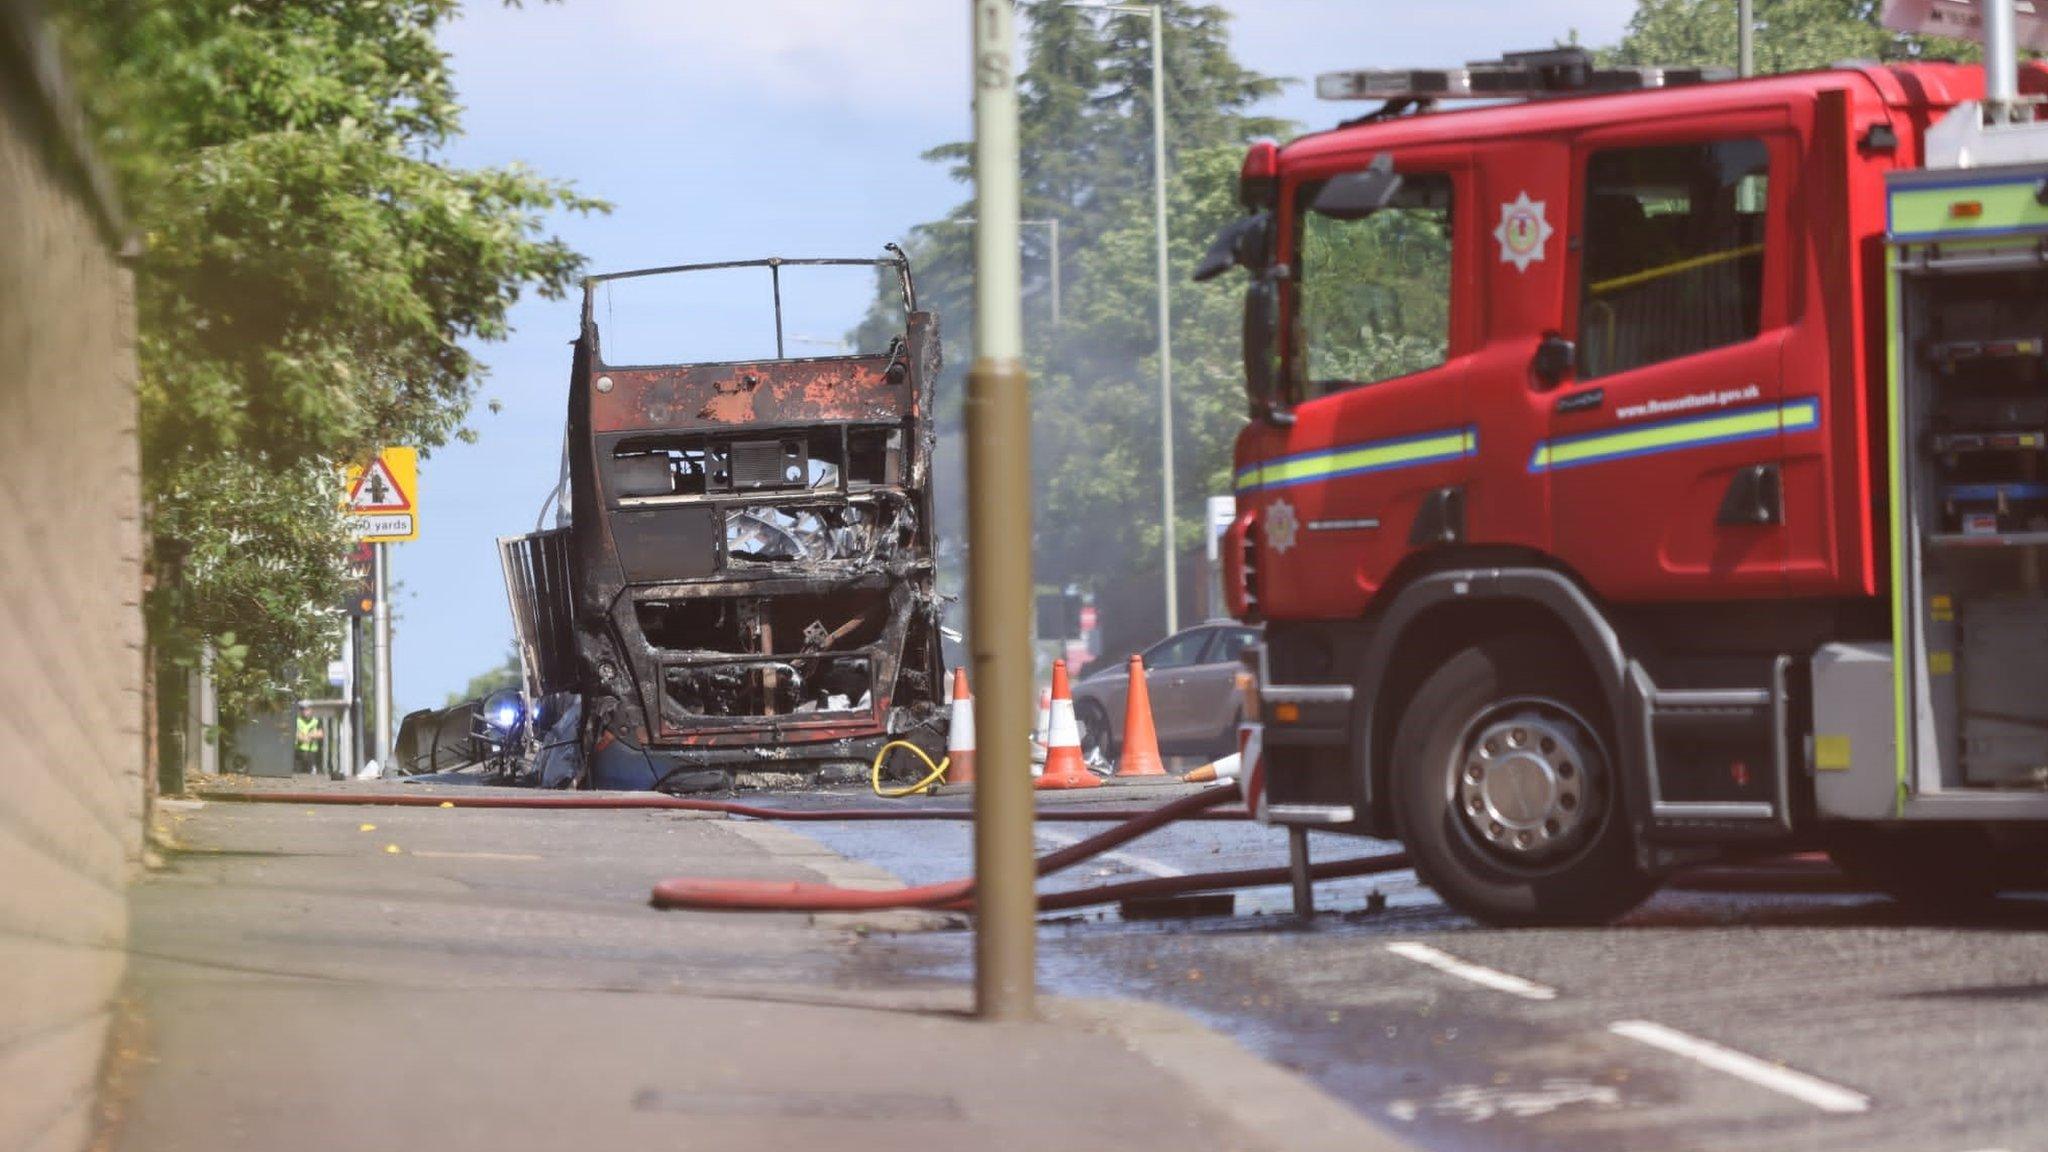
(937, 773)
(955, 895)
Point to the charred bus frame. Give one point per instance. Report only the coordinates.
(749, 572)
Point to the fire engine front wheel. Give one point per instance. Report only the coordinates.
(1504, 790)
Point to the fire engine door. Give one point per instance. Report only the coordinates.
(1663, 451)
(1379, 318)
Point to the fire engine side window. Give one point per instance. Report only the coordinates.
(1673, 260)
(1375, 294)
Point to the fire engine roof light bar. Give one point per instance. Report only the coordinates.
(1516, 76)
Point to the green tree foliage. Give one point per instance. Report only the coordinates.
(1791, 35)
(312, 272)
(1086, 161)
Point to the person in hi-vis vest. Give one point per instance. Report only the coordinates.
(308, 735)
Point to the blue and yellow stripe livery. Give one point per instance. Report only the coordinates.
(1357, 459)
(1724, 427)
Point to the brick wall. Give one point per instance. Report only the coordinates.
(72, 793)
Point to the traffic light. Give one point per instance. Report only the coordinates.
(359, 594)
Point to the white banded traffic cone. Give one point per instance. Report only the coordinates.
(960, 733)
(1063, 765)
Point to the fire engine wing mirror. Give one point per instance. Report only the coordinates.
(1244, 243)
(1554, 360)
(1356, 195)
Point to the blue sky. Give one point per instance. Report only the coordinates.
(774, 127)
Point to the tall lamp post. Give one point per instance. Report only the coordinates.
(1165, 304)
(999, 540)
(1745, 38)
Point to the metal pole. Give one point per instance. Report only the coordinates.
(381, 745)
(1054, 226)
(345, 726)
(999, 541)
(209, 714)
(1299, 876)
(2001, 63)
(1745, 38)
(1165, 320)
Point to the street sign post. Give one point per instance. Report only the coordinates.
(382, 503)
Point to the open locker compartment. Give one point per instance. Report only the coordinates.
(1970, 397)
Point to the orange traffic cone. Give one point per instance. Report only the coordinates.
(960, 733)
(1063, 766)
(1141, 741)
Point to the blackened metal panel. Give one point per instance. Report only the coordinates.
(536, 568)
(668, 543)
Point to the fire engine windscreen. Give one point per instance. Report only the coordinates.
(724, 315)
(1673, 255)
(1375, 297)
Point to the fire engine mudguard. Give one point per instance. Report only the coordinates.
(1444, 612)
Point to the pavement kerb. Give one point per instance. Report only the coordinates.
(1284, 1110)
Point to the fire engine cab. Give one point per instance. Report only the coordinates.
(1648, 465)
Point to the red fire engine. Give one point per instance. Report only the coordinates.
(1650, 465)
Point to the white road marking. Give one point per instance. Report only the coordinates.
(1464, 970)
(1143, 864)
(1478, 1103)
(1798, 1085)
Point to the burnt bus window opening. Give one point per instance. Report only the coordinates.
(728, 315)
(824, 459)
(788, 626)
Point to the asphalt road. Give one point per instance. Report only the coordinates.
(1790, 1020)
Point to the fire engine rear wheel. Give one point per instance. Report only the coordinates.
(1504, 790)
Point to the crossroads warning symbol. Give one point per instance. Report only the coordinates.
(377, 490)
(381, 496)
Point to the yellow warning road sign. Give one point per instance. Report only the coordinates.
(382, 500)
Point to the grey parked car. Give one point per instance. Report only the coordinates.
(1192, 676)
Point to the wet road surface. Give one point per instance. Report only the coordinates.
(1816, 1019)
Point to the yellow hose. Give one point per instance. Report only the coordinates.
(938, 771)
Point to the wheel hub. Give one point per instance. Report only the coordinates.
(1525, 782)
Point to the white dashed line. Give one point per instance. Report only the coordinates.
(1144, 864)
(1485, 977)
(1798, 1085)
